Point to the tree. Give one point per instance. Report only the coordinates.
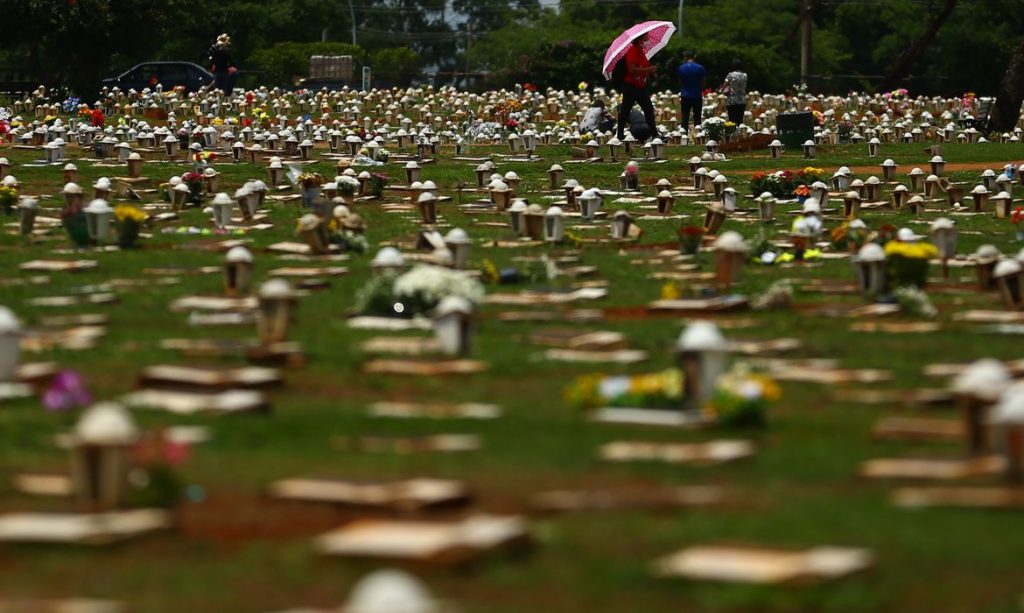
(1011, 93)
(913, 53)
(73, 42)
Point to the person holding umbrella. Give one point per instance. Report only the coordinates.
(634, 86)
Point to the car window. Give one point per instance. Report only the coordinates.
(171, 75)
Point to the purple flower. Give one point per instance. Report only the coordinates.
(67, 391)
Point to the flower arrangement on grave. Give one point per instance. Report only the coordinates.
(809, 175)
(194, 181)
(714, 128)
(632, 172)
(85, 114)
(897, 94)
(907, 262)
(74, 223)
(8, 198)
(415, 292)
(967, 101)
(97, 119)
(128, 220)
(886, 233)
(671, 291)
(1016, 217)
(5, 130)
(344, 234)
(819, 117)
(690, 238)
(157, 484)
(801, 192)
(742, 398)
(310, 180)
(662, 389)
(350, 241)
(66, 391)
(375, 187)
(382, 155)
(204, 157)
(849, 237)
(348, 185)
(914, 302)
(779, 183)
(542, 269)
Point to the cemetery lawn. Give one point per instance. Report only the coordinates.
(240, 551)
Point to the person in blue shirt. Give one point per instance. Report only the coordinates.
(691, 80)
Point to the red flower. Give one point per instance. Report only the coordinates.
(1017, 215)
(530, 87)
(97, 118)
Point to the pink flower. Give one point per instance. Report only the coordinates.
(67, 391)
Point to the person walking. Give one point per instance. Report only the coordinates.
(222, 65)
(735, 89)
(634, 87)
(691, 90)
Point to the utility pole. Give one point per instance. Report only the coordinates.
(805, 40)
(352, 14)
(679, 24)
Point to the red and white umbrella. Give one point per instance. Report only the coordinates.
(658, 35)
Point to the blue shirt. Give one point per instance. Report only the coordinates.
(691, 76)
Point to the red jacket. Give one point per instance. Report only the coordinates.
(635, 57)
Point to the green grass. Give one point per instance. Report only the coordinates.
(800, 489)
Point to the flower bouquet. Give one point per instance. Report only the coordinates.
(375, 187)
(802, 192)
(907, 262)
(779, 184)
(348, 240)
(415, 292)
(742, 398)
(847, 237)
(348, 187)
(651, 390)
(810, 174)
(310, 183)
(8, 198)
(632, 173)
(714, 128)
(1016, 217)
(73, 220)
(156, 456)
(128, 220)
(690, 238)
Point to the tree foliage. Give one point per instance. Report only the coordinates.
(855, 42)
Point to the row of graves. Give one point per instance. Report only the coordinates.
(434, 287)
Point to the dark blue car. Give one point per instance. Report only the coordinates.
(169, 74)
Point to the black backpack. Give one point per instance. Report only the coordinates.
(619, 72)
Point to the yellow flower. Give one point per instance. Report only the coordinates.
(123, 213)
(916, 251)
(489, 271)
(770, 390)
(670, 291)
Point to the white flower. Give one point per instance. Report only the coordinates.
(434, 283)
